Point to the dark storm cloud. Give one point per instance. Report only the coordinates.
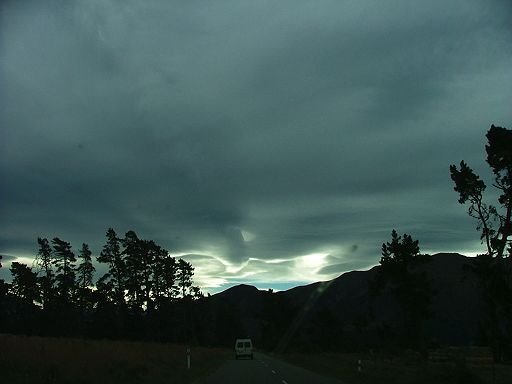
(261, 141)
(6, 258)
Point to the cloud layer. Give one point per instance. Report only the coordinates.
(268, 143)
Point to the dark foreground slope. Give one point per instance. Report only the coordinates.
(341, 312)
(40, 360)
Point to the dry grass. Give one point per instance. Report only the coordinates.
(403, 370)
(59, 360)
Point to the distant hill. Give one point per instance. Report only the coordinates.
(340, 310)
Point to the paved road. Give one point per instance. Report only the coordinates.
(263, 370)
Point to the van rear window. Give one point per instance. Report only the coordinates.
(247, 344)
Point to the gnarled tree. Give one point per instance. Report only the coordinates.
(494, 269)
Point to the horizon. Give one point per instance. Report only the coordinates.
(262, 286)
(272, 144)
(286, 287)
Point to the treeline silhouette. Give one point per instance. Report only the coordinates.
(144, 294)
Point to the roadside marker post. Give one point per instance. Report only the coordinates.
(359, 366)
(188, 358)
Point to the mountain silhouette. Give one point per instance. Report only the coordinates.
(343, 310)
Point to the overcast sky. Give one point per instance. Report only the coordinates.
(273, 143)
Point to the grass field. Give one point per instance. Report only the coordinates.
(400, 370)
(33, 360)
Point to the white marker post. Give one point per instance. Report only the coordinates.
(188, 358)
(359, 366)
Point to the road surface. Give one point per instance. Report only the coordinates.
(263, 370)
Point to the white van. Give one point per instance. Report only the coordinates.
(243, 347)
